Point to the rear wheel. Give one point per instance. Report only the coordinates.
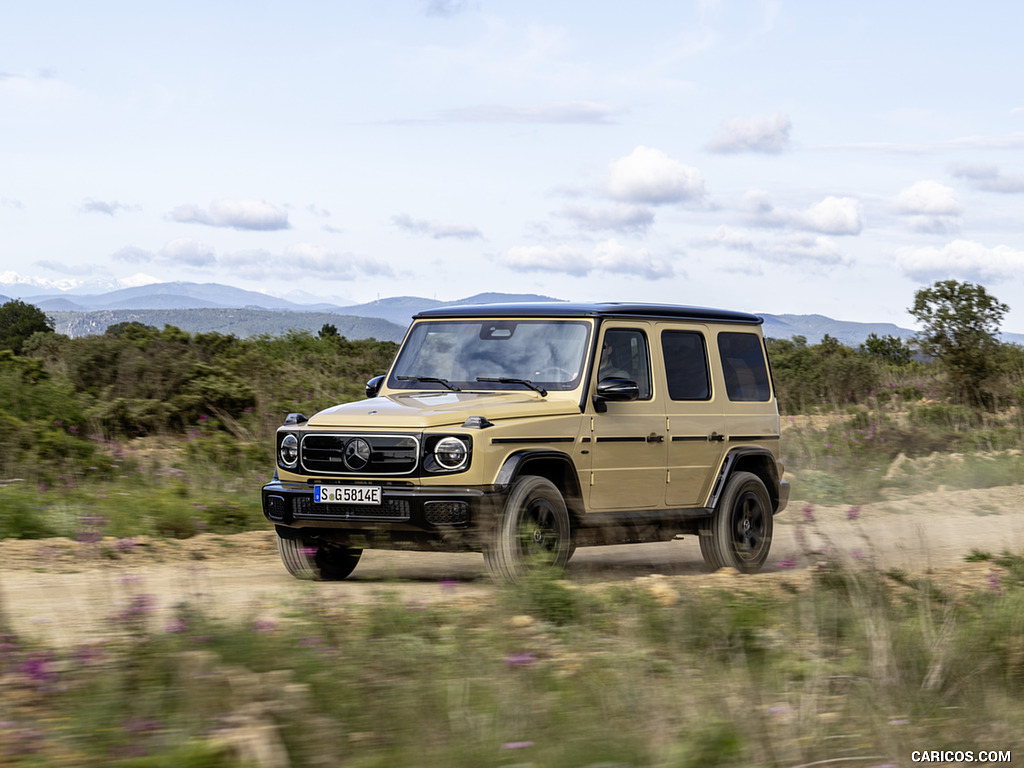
(317, 561)
(533, 531)
(739, 533)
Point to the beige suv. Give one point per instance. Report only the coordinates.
(525, 430)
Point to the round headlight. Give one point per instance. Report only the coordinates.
(451, 453)
(288, 452)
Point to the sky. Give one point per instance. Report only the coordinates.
(765, 156)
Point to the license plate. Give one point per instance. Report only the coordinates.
(346, 494)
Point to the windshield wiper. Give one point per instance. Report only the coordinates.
(430, 379)
(524, 382)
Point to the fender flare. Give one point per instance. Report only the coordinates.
(515, 462)
(726, 470)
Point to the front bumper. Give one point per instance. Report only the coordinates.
(451, 518)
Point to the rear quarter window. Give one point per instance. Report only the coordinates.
(744, 367)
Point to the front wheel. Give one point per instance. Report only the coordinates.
(317, 561)
(533, 531)
(739, 533)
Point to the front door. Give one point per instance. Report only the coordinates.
(628, 439)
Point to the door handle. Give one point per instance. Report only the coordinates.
(655, 438)
(716, 438)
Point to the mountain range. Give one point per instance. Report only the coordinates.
(216, 307)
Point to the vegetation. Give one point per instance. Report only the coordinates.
(847, 664)
(960, 324)
(146, 431)
(18, 322)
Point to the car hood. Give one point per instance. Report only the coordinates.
(437, 409)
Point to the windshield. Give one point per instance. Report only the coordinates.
(453, 354)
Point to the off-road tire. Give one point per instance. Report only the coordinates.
(534, 530)
(739, 533)
(316, 561)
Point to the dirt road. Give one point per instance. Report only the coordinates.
(64, 592)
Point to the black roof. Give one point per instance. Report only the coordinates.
(582, 309)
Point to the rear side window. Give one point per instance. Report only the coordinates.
(686, 365)
(743, 363)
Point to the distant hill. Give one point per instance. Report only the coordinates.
(245, 313)
(814, 328)
(237, 322)
(400, 309)
(176, 295)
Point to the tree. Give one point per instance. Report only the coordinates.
(18, 321)
(890, 349)
(960, 321)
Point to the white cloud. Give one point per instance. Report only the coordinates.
(729, 237)
(620, 218)
(435, 229)
(830, 216)
(608, 256)
(988, 178)
(833, 216)
(962, 259)
(445, 8)
(767, 134)
(651, 176)
(805, 251)
(929, 198)
(234, 214)
(85, 270)
(552, 112)
(190, 252)
(932, 207)
(101, 206)
(304, 259)
(132, 255)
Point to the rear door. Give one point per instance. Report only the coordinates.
(696, 433)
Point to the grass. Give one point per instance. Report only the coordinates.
(845, 664)
(885, 448)
(850, 664)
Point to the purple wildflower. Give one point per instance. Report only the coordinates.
(517, 744)
(853, 513)
(808, 512)
(789, 562)
(177, 626)
(264, 626)
(38, 667)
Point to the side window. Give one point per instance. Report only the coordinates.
(686, 365)
(746, 373)
(624, 355)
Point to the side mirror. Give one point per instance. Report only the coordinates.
(614, 391)
(373, 386)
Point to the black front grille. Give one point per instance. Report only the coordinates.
(446, 512)
(275, 506)
(391, 509)
(389, 454)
